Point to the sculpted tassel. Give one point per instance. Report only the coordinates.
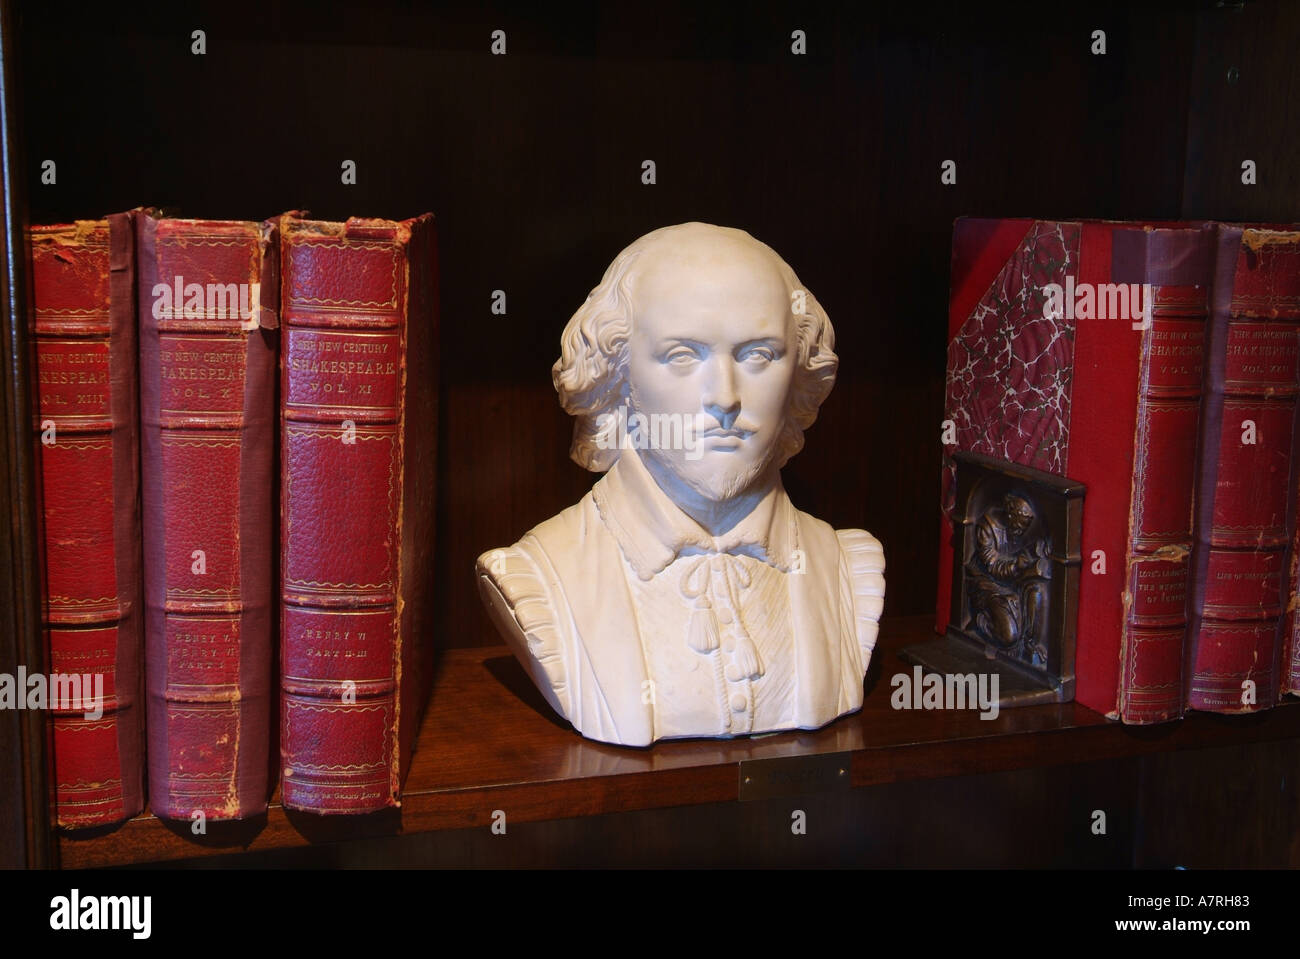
(702, 628)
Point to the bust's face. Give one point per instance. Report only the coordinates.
(713, 338)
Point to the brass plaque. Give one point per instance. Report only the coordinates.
(793, 776)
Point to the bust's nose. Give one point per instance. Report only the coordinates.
(721, 399)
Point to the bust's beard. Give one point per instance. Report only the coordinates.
(710, 484)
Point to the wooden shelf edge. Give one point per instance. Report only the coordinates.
(535, 769)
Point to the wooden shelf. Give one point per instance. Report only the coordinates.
(489, 741)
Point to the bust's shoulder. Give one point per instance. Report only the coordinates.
(571, 525)
(515, 588)
(520, 589)
(567, 529)
(865, 559)
(865, 563)
(531, 577)
(552, 596)
(863, 551)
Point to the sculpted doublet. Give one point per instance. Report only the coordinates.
(638, 625)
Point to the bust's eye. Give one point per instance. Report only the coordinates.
(680, 356)
(758, 356)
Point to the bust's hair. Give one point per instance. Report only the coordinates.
(591, 373)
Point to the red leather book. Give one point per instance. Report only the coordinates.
(1073, 379)
(208, 343)
(1290, 665)
(83, 288)
(359, 402)
(1246, 509)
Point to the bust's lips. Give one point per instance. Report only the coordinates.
(726, 441)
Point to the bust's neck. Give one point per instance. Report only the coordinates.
(715, 516)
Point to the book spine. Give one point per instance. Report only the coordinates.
(1246, 516)
(208, 343)
(356, 546)
(1135, 403)
(1290, 666)
(1160, 518)
(83, 284)
(1289, 663)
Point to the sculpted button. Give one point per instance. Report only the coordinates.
(733, 673)
(739, 702)
(729, 646)
(725, 615)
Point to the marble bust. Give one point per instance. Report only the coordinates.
(685, 595)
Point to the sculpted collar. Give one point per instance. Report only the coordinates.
(652, 530)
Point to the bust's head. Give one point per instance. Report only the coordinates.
(701, 323)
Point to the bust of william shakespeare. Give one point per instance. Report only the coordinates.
(685, 595)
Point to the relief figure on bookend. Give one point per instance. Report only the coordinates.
(1009, 575)
(685, 595)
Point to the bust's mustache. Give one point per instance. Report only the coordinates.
(706, 424)
(672, 430)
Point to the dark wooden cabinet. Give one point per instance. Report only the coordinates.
(533, 163)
